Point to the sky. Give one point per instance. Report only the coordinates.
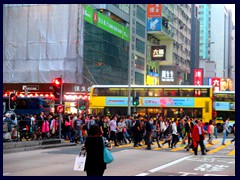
(232, 8)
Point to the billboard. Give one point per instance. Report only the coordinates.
(154, 10)
(158, 53)
(198, 77)
(215, 82)
(154, 24)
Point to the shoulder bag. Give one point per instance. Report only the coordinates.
(107, 156)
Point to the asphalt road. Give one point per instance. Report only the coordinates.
(129, 161)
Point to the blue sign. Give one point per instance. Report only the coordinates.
(119, 101)
(168, 102)
(154, 24)
(223, 106)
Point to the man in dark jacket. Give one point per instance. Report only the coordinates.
(148, 129)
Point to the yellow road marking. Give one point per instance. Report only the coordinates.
(208, 145)
(232, 153)
(218, 148)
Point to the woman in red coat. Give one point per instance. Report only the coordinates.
(198, 137)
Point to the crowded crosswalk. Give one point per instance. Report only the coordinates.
(215, 148)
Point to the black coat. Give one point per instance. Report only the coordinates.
(94, 148)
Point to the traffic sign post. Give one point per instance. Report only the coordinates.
(60, 114)
(60, 109)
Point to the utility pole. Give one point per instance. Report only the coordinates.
(130, 60)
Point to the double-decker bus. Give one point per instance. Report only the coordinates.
(224, 105)
(166, 100)
(29, 105)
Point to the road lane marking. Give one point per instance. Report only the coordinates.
(232, 153)
(142, 174)
(219, 148)
(164, 166)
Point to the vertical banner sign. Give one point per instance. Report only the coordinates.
(198, 77)
(154, 17)
(216, 84)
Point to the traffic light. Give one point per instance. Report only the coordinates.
(136, 101)
(57, 82)
(83, 105)
(12, 101)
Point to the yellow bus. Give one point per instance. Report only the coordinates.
(224, 105)
(165, 100)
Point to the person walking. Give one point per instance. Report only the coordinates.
(155, 133)
(113, 130)
(93, 147)
(148, 129)
(225, 131)
(211, 132)
(168, 134)
(198, 137)
(174, 134)
(233, 140)
(78, 129)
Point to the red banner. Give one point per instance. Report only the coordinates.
(198, 77)
(154, 10)
(216, 84)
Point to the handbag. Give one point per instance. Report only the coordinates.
(107, 155)
(79, 163)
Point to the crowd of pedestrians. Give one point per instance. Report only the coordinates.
(121, 129)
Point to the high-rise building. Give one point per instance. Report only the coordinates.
(129, 16)
(171, 32)
(215, 41)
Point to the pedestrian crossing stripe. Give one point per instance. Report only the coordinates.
(219, 148)
(231, 153)
(155, 148)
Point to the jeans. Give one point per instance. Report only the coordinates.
(69, 136)
(224, 136)
(215, 132)
(76, 133)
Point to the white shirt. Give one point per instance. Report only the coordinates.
(113, 125)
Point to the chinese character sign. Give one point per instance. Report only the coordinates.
(198, 77)
(216, 84)
(154, 10)
(158, 53)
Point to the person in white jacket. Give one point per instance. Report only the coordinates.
(174, 134)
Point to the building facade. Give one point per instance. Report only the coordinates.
(173, 33)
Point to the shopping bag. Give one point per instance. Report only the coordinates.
(108, 158)
(107, 155)
(79, 163)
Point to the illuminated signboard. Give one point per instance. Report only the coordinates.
(158, 53)
(226, 106)
(198, 77)
(154, 10)
(216, 84)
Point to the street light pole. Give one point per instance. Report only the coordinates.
(130, 60)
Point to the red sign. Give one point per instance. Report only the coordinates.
(154, 10)
(216, 84)
(198, 77)
(95, 17)
(60, 108)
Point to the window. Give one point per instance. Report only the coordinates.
(141, 14)
(140, 30)
(140, 46)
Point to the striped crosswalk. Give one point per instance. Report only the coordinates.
(213, 148)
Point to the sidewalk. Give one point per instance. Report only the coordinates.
(11, 147)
